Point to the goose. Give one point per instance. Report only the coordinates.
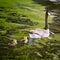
(38, 32)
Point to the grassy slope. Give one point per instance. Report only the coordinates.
(27, 8)
(36, 14)
(24, 7)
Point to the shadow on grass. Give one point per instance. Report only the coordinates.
(49, 4)
(43, 2)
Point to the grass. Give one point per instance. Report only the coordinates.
(57, 36)
(35, 12)
(27, 8)
(36, 15)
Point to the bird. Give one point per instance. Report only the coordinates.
(38, 32)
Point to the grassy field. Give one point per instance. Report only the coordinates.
(28, 9)
(17, 17)
(32, 11)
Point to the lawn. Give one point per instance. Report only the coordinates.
(34, 12)
(16, 18)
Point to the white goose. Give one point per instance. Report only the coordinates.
(40, 33)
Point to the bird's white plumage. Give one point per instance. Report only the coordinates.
(39, 33)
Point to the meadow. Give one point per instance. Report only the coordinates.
(16, 18)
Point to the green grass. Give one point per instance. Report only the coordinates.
(35, 12)
(41, 49)
(57, 36)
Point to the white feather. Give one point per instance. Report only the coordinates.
(39, 33)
